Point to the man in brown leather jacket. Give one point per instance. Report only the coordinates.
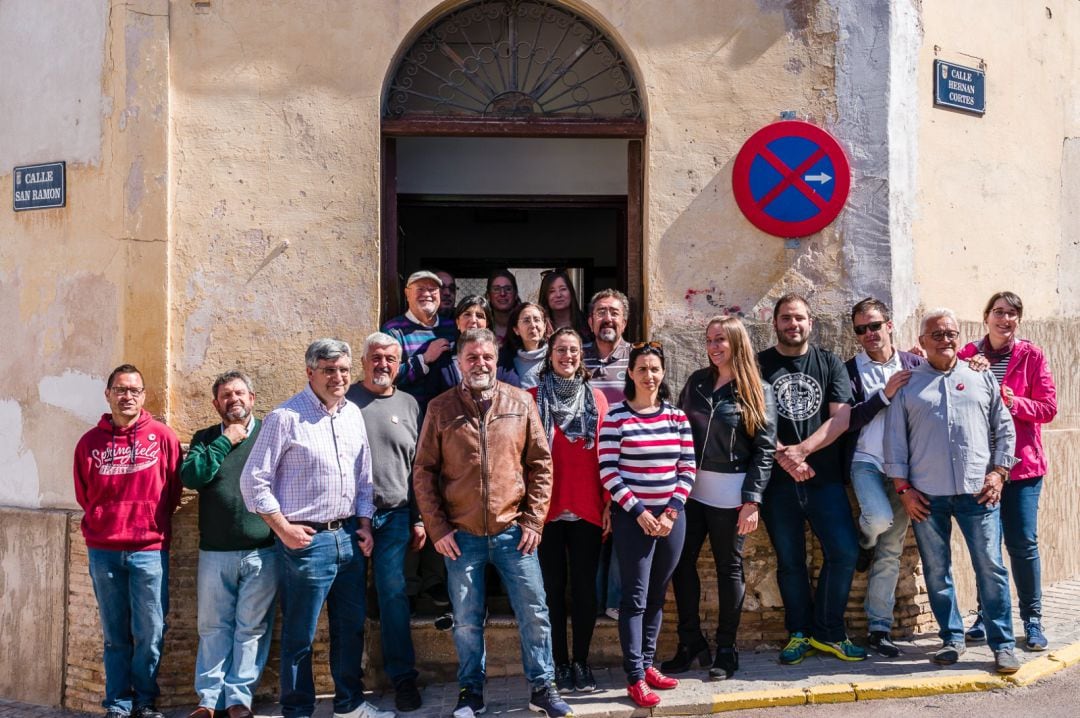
(482, 480)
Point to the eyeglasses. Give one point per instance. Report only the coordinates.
(943, 335)
(332, 370)
(861, 329)
(495, 289)
(1010, 314)
(426, 290)
(607, 312)
(124, 390)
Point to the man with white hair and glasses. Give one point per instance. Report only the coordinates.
(948, 447)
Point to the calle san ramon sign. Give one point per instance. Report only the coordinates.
(41, 186)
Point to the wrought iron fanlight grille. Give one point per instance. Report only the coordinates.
(513, 58)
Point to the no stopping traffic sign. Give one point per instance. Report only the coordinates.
(791, 178)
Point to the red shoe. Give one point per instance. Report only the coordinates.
(658, 680)
(641, 694)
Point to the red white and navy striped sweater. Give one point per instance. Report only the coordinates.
(647, 460)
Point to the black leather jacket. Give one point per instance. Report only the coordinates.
(721, 441)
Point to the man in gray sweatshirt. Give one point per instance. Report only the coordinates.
(949, 443)
(392, 419)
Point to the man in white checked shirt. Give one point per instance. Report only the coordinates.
(309, 477)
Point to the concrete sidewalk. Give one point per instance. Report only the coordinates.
(761, 680)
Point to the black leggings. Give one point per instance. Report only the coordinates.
(722, 528)
(570, 547)
(645, 566)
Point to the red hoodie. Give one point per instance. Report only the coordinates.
(127, 481)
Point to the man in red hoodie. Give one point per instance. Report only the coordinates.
(127, 481)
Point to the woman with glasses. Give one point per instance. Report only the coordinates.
(502, 296)
(577, 522)
(647, 465)
(472, 312)
(526, 343)
(1027, 388)
(733, 417)
(558, 297)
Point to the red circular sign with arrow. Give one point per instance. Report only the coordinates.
(791, 178)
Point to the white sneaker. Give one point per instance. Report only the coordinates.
(367, 709)
(612, 613)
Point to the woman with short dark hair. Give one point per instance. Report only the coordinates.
(472, 312)
(647, 465)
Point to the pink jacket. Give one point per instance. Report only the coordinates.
(1034, 404)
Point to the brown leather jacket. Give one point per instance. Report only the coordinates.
(482, 475)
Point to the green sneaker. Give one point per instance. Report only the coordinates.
(845, 650)
(798, 647)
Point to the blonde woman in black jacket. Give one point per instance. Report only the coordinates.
(733, 417)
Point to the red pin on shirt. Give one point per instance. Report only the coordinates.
(959, 387)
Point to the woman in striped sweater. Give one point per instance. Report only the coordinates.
(647, 464)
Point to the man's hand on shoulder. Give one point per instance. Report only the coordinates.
(978, 363)
(896, 381)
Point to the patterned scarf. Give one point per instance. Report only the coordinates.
(568, 404)
(995, 355)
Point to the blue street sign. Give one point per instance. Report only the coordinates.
(959, 87)
(40, 186)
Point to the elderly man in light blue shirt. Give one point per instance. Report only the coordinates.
(309, 477)
(949, 444)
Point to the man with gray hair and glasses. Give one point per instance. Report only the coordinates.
(238, 562)
(948, 447)
(309, 478)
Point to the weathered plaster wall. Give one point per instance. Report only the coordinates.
(992, 196)
(33, 584)
(83, 286)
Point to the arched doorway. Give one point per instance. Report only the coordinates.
(512, 136)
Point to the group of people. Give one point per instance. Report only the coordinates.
(517, 437)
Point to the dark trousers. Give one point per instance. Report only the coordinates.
(645, 564)
(721, 526)
(786, 508)
(570, 547)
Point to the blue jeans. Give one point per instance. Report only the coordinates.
(1020, 526)
(981, 527)
(520, 575)
(330, 569)
(785, 508)
(237, 590)
(883, 525)
(132, 589)
(392, 530)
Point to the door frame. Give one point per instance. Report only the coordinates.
(629, 254)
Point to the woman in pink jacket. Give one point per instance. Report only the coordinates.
(1027, 389)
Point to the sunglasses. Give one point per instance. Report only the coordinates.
(648, 345)
(861, 329)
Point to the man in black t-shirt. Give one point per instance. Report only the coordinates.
(810, 385)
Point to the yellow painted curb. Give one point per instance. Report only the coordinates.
(723, 702)
(1069, 655)
(831, 693)
(1035, 670)
(929, 686)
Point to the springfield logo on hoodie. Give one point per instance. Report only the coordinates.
(130, 459)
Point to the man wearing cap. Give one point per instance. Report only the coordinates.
(424, 337)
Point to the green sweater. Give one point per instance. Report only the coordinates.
(212, 466)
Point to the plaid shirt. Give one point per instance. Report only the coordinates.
(310, 464)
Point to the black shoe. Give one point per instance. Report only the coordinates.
(583, 677)
(469, 703)
(146, 712)
(444, 622)
(725, 664)
(407, 696)
(547, 700)
(866, 557)
(564, 679)
(684, 657)
(880, 642)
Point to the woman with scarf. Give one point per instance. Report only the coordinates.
(577, 522)
(1027, 388)
(526, 343)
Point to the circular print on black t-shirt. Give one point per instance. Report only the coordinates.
(798, 396)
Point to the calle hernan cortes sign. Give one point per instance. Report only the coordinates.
(40, 186)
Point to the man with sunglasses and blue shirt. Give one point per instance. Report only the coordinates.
(949, 444)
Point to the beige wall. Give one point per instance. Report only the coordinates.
(992, 209)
